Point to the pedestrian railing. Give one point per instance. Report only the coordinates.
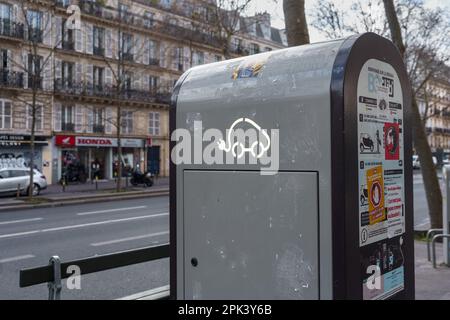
(55, 271)
(433, 245)
(430, 234)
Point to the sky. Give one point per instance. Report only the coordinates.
(275, 8)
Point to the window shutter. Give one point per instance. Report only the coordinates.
(79, 39)
(109, 44)
(57, 117)
(146, 52)
(25, 69)
(47, 75)
(162, 55)
(78, 118)
(58, 73)
(47, 29)
(90, 74)
(89, 38)
(58, 37)
(108, 121)
(79, 73)
(108, 77)
(90, 120)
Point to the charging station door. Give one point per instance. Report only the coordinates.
(248, 236)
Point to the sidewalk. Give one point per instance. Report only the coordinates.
(431, 284)
(85, 191)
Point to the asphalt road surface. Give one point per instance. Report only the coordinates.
(29, 238)
(421, 218)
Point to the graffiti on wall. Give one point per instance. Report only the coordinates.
(19, 159)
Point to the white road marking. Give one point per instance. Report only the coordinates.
(27, 256)
(19, 221)
(77, 226)
(110, 210)
(105, 243)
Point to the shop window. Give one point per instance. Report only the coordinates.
(39, 117)
(154, 124)
(5, 114)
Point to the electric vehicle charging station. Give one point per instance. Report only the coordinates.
(324, 210)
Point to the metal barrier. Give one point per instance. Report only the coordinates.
(428, 239)
(433, 244)
(56, 271)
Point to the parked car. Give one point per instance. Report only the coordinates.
(416, 162)
(11, 179)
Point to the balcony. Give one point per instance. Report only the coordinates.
(11, 29)
(108, 92)
(11, 79)
(68, 45)
(69, 127)
(154, 62)
(99, 51)
(127, 56)
(34, 82)
(98, 128)
(91, 8)
(35, 35)
(62, 3)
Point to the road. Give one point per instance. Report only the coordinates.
(28, 238)
(421, 218)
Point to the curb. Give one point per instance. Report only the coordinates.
(93, 199)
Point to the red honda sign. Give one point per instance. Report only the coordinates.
(65, 141)
(96, 142)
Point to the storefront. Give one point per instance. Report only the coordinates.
(84, 158)
(15, 152)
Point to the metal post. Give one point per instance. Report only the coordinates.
(430, 234)
(446, 214)
(18, 191)
(54, 288)
(96, 182)
(433, 245)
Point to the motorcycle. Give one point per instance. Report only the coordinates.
(138, 178)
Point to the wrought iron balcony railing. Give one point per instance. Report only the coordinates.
(154, 62)
(99, 51)
(67, 126)
(9, 28)
(11, 79)
(91, 90)
(35, 35)
(68, 45)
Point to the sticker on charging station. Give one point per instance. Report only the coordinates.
(381, 177)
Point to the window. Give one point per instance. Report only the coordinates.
(5, 12)
(153, 52)
(149, 19)
(96, 120)
(127, 46)
(218, 58)
(4, 59)
(34, 19)
(39, 117)
(154, 81)
(254, 48)
(178, 59)
(199, 58)
(237, 45)
(154, 124)
(127, 122)
(98, 78)
(5, 114)
(67, 37)
(34, 71)
(99, 41)
(67, 118)
(67, 73)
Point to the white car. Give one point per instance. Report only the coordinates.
(416, 162)
(14, 178)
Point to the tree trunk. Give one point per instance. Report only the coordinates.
(430, 179)
(119, 149)
(295, 19)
